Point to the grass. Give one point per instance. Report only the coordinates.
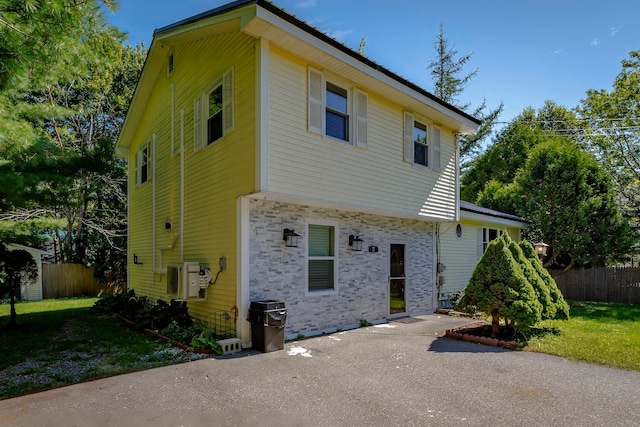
(602, 333)
(60, 342)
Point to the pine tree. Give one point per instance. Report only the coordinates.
(558, 305)
(499, 288)
(449, 81)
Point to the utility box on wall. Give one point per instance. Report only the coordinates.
(183, 282)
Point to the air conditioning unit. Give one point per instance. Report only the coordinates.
(184, 282)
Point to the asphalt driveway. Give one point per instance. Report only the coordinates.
(399, 374)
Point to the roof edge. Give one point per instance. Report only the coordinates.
(281, 13)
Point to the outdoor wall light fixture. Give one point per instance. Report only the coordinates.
(541, 249)
(355, 242)
(290, 238)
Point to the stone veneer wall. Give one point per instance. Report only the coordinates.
(278, 272)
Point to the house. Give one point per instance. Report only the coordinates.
(462, 244)
(267, 161)
(31, 291)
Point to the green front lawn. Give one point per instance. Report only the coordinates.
(60, 342)
(602, 333)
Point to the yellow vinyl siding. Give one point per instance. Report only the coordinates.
(214, 176)
(305, 164)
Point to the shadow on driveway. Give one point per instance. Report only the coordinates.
(448, 345)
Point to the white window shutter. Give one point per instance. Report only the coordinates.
(408, 137)
(480, 242)
(362, 100)
(435, 150)
(151, 158)
(138, 166)
(197, 124)
(227, 102)
(315, 101)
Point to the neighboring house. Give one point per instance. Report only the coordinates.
(462, 244)
(248, 127)
(31, 291)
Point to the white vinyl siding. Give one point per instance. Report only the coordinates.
(304, 164)
(461, 254)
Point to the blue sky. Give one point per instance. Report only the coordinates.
(526, 52)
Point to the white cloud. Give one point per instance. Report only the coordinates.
(558, 51)
(307, 4)
(595, 42)
(614, 31)
(339, 34)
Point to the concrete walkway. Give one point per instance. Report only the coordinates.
(399, 374)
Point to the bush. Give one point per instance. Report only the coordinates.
(499, 288)
(558, 306)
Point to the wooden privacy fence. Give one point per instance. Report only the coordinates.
(603, 284)
(68, 280)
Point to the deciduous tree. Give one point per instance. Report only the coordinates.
(16, 267)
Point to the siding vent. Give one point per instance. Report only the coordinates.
(170, 65)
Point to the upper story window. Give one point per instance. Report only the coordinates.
(214, 120)
(337, 109)
(420, 146)
(421, 143)
(337, 118)
(144, 162)
(213, 112)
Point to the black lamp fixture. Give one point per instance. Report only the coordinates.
(290, 238)
(541, 249)
(355, 242)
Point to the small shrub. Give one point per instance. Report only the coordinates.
(364, 323)
(205, 340)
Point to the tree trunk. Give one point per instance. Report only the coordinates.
(12, 298)
(495, 324)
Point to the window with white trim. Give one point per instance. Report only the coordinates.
(421, 143)
(321, 267)
(143, 162)
(336, 109)
(213, 113)
(489, 234)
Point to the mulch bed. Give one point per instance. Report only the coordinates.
(480, 333)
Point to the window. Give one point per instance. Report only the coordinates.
(337, 118)
(420, 146)
(321, 259)
(214, 120)
(143, 162)
(488, 234)
(337, 110)
(213, 114)
(421, 143)
(459, 231)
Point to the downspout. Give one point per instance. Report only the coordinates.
(153, 203)
(157, 268)
(182, 186)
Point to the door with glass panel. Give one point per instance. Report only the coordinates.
(397, 278)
